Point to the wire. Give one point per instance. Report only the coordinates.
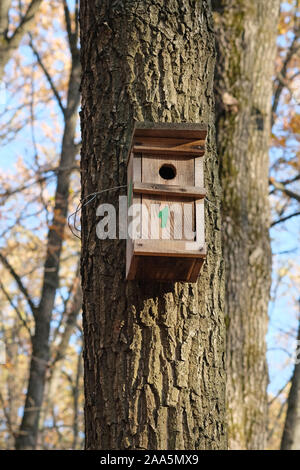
(92, 197)
(82, 204)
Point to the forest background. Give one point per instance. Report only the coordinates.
(40, 144)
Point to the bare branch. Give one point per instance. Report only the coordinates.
(286, 82)
(76, 400)
(281, 187)
(50, 283)
(7, 417)
(283, 219)
(40, 180)
(68, 19)
(25, 24)
(71, 36)
(47, 75)
(271, 432)
(19, 282)
(282, 75)
(4, 20)
(285, 182)
(279, 392)
(71, 321)
(77, 19)
(291, 180)
(20, 316)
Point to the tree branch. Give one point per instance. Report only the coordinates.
(47, 75)
(19, 282)
(25, 23)
(7, 417)
(4, 19)
(23, 321)
(76, 389)
(279, 392)
(71, 321)
(71, 36)
(271, 432)
(283, 219)
(282, 75)
(285, 182)
(281, 187)
(40, 351)
(286, 82)
(77, 19)
(291, 180)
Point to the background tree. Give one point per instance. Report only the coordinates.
(31, 128)
(285, 197)
(245, 35)
(153, 352)
(291, 432)
(42, 303)
(10, 33)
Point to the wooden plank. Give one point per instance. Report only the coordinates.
(169, 190)
(176, 248)
(171, 130)
(168, 134)
(178, 222)
(195, 270)
(190, 145)
(200, 223)
(166, 142)
(134, 171)
(199, 204)
(166, 269)
(184, 169)
(137, 167)
(131, 273)
(130, 264)
(199, 172)
(169, 150)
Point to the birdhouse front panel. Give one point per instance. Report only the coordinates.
(166, 202)
(164, 170)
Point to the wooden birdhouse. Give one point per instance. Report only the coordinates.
(166, 202)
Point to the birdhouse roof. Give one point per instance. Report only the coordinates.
(185, 139)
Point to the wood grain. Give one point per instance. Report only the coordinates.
(151, 165)
(169, 190)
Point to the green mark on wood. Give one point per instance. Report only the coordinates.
(163, 215)
(129, 194)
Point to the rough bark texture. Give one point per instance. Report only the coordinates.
(245, 36)
(154, 352)
(291, 433)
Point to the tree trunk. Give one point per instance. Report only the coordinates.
(291, 433)
(153, 352)
(28, 433)
(245, 36)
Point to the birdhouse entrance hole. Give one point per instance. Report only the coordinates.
(167, 172)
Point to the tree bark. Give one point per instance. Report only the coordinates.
(153, 352)
(291, 433)
(245, 37)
